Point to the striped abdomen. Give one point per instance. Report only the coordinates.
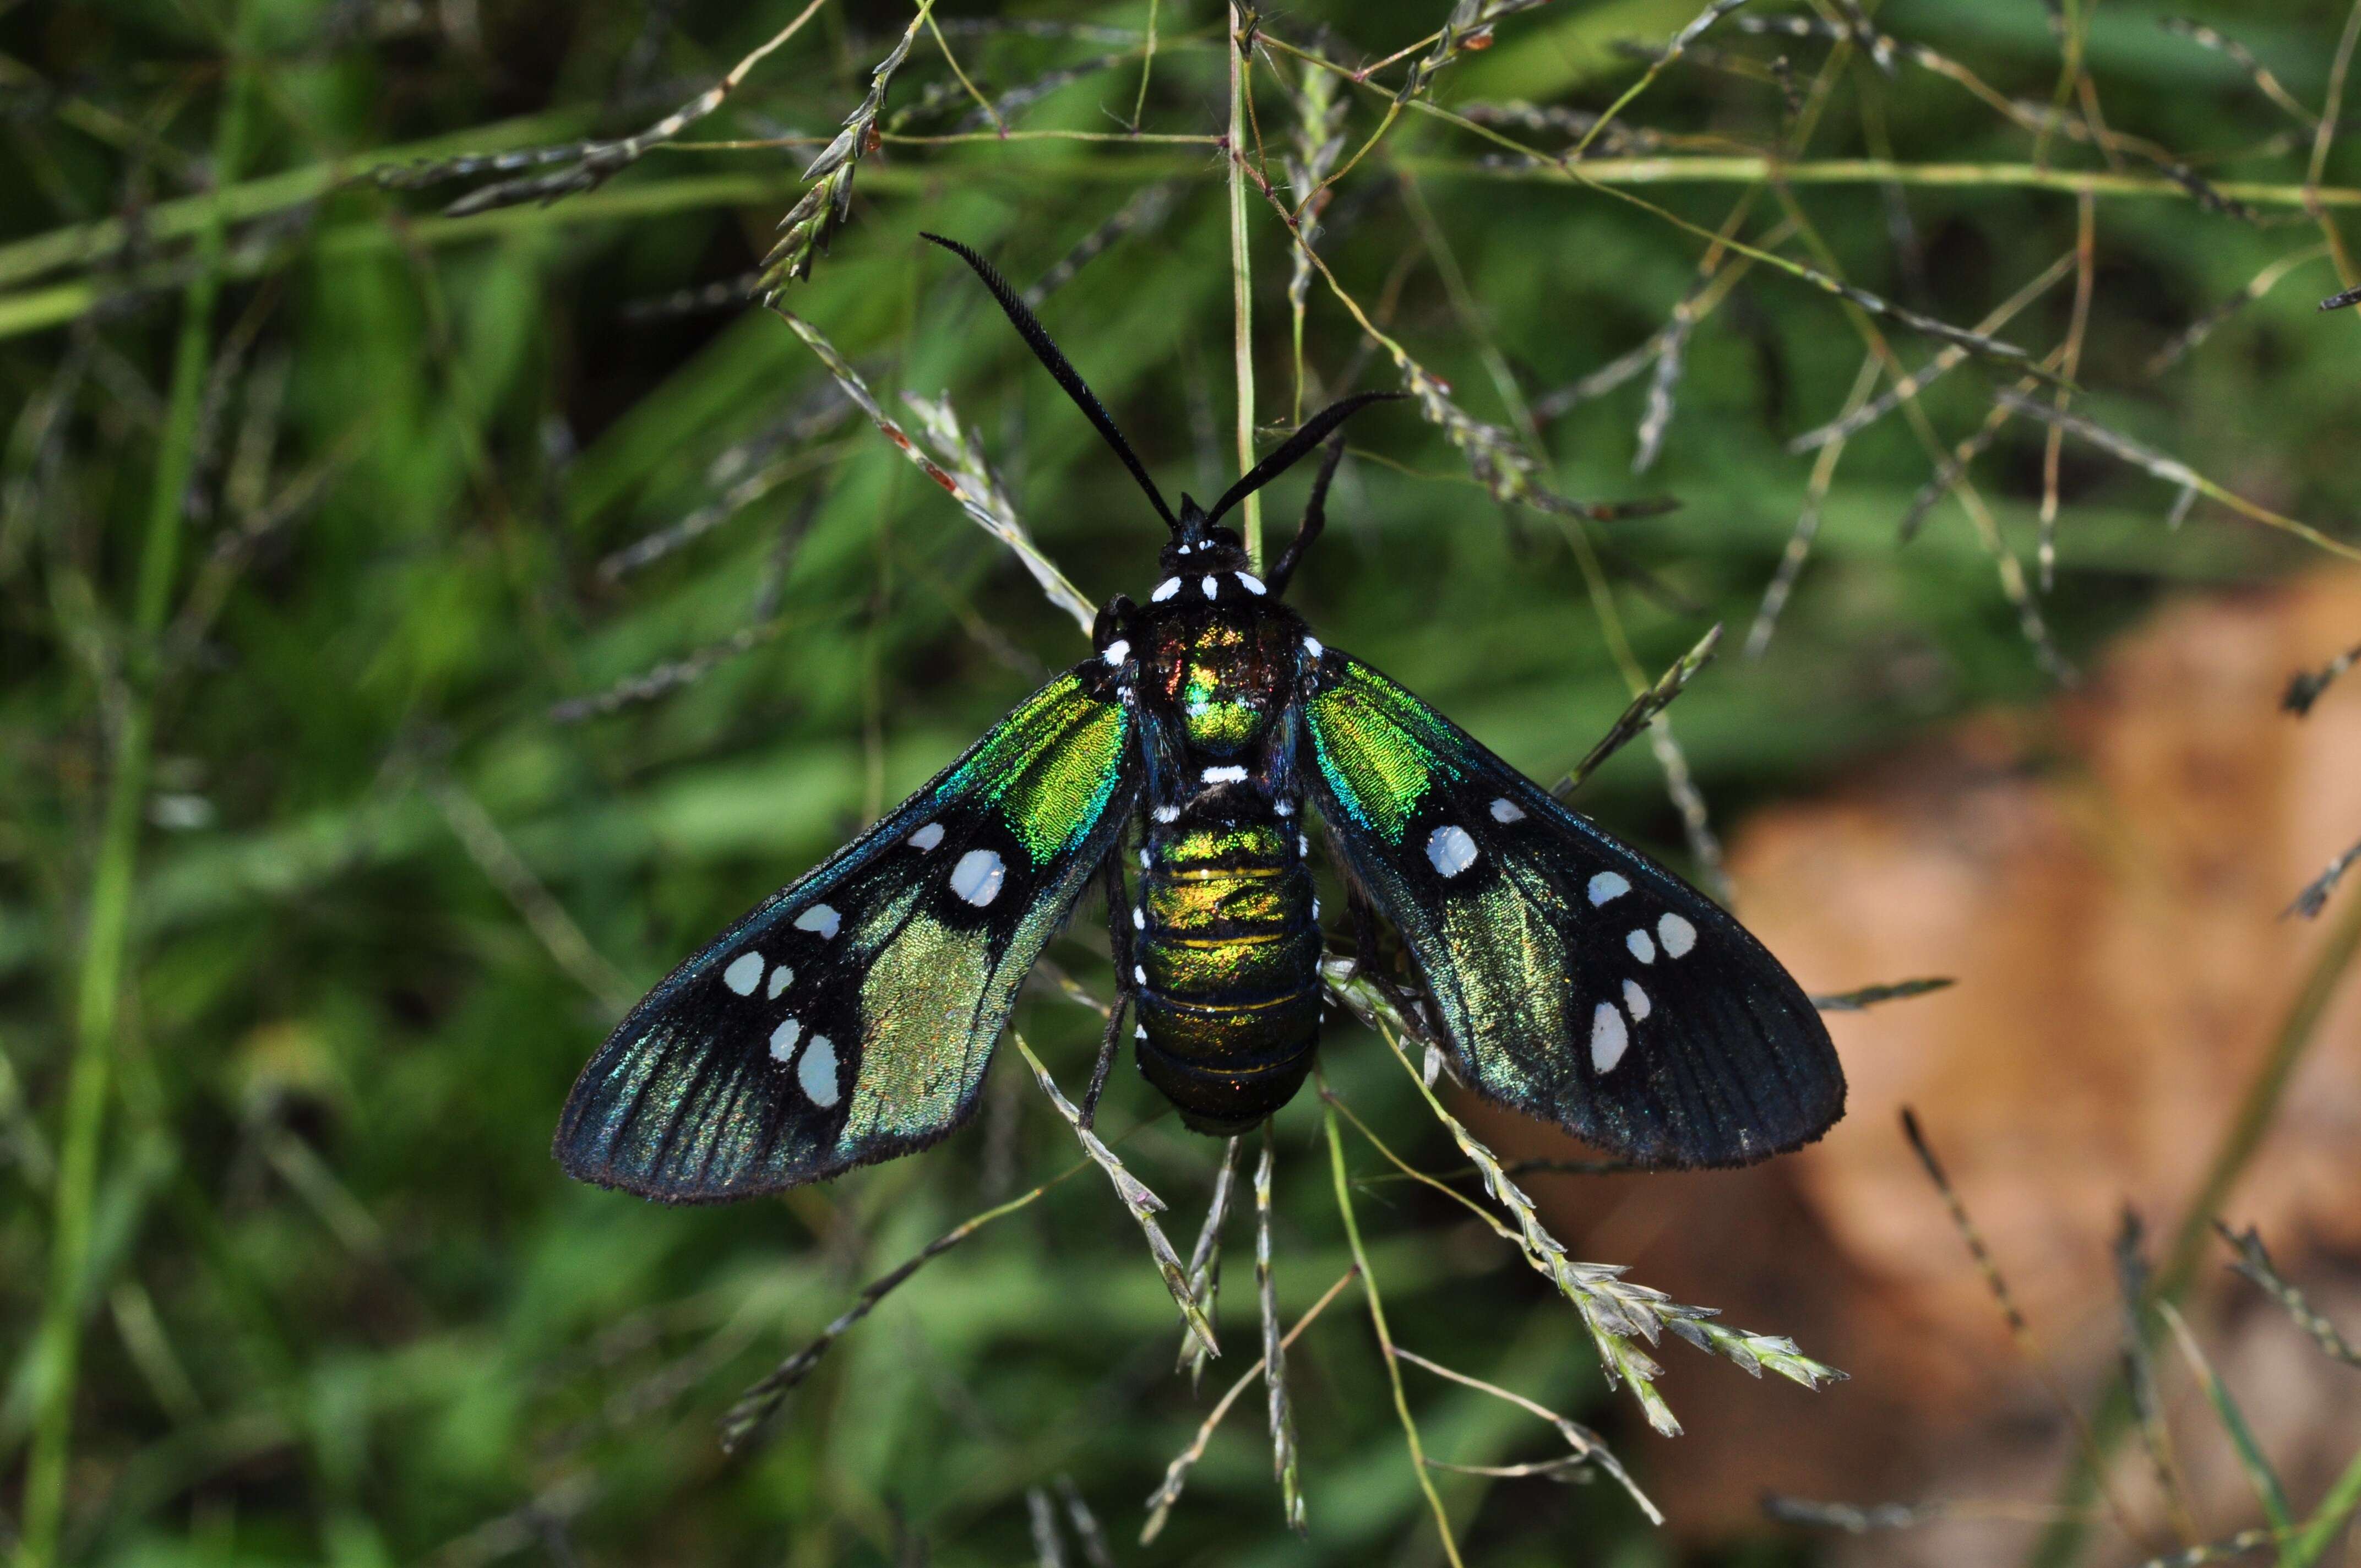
(1228, 952)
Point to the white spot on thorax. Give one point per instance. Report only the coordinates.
(1233, 773)
(1641, 949)
(1117, 652)
(978, 876)
(927, 838)
(819, 917)
(784, 1038)
(1162, 814)
(1451, 849)
(1311, 646)
(1607, 886)
(1165, 590)
(1252, 584)
(1505, 810)
(1636, 999)
(816, 1071)
(1608, 1039)
(1210, 586)
(744, 973)
(781, 978)
(1677, 934)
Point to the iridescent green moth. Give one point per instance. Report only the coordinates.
(850, 1017)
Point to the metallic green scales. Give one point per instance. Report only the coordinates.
(1050, 768)
(1229, 993)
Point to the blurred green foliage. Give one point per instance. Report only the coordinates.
(388, 884)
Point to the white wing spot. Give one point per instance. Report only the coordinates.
(816, 1071)
(978, 876)
(744, 973)
(1451, 849)
(819, 917)
(1231, 774)
(927, 838)
(1677, 935)
(1506, 810)
(1636, 999)
(781, 978)
(1311, 646)
(1117, 652)
(1210, 586)
(1641, 949)
(1252, 584)
(1607, 886)
(1165, 590)
(784, 1038)
(1609, 1038)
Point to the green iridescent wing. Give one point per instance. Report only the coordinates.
(1578, 981)
(850, 1017)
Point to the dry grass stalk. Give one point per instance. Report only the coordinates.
(813, 221)
(1274, 1346)
(1176, 1474)
(1144, 1204)
(1588, 1448)
(1205, 1257)
(1642, 711)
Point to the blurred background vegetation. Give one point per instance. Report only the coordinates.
(434, 598)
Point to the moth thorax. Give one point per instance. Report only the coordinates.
(1226, 695)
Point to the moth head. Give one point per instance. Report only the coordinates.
(1200, 544)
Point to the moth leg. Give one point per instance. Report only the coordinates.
(1315, 516)
(1118, 949)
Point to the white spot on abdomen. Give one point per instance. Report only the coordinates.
(1450, 850)
(816, 1071)
(744, 973)
(1230, 775)
(1636, 999)
(781, 978)
(978, 876)
(1506, 810)
(1607, 886)
(1165, 590)
(1677, 935)
(1139, 919)
(1608, 1039)
(784, 1038)
(1641, 949)
(927, 838)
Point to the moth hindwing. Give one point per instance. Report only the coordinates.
(1579, 982)
(850, 1017)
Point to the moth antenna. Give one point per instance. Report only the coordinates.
(1315, 517)
(1307, 434)
(1036, 337)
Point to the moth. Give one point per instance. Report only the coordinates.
(850, 1017)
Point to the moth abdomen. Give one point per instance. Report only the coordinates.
(1228, 952)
